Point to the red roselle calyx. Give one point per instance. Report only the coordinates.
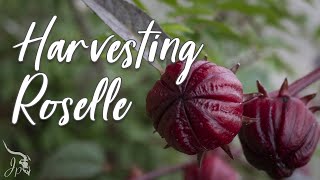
(203, 113)
(286, 132)
(212, 168)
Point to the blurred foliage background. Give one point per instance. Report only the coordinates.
(267, 37)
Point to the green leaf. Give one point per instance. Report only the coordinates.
(218, 30)
(311, 2)
(170, 2)
(279, 65)
(317, 33)
(173, 28)
(74, 161)
(252, 10)
(191, 11)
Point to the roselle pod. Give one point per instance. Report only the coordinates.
(203, 113)
(212, 168)
(285, 133)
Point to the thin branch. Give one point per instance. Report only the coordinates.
(163, 171)
(302, 83)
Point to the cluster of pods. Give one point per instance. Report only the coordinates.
(277, 130)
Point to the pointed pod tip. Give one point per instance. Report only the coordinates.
(306, 99)
(261, 89)
(284, 88)
(205, 58)
(314, 109)
(200, 157)
(227, 150)
(258, 83)
(235, 68)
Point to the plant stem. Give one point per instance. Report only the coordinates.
(302, 83)
(163, 171)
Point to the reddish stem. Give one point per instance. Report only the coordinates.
(302, 83)
(163, 171)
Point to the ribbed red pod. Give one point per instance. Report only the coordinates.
(203, 113)
(285, 133)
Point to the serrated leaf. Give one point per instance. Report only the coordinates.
(78, 160)
(126, 20)
(247, 9)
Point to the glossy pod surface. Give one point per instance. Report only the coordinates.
(284, 135)
(202, 113)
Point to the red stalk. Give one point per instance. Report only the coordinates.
(163, 171)
(302, 83)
